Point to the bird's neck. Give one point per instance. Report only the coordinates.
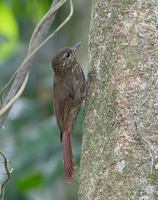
(64, 68)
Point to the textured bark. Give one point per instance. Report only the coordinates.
(120, 142)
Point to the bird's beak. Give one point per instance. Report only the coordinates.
(76, 47)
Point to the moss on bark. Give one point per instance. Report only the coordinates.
(120, 148)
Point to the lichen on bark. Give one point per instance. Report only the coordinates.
(122, 103)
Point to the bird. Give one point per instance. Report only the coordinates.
(69, 91)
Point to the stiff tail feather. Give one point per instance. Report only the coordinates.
(67, 156)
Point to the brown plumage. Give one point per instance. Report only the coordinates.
(69, 92)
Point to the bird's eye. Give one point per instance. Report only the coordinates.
(67, 55)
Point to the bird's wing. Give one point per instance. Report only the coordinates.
(63, 112)
(63, 98)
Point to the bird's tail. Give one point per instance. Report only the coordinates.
(67, 156)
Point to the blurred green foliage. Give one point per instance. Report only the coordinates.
(30, 137)
(30, 181)
(8, 31)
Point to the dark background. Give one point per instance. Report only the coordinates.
(30, 137)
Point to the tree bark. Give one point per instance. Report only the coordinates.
(120, 143)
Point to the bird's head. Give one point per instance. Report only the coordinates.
(64, 60)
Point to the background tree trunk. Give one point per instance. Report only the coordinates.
(120, 142)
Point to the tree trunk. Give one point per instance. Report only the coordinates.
(120, 143)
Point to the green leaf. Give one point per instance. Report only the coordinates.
(30, 181)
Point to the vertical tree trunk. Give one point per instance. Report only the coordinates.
(120, 142)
